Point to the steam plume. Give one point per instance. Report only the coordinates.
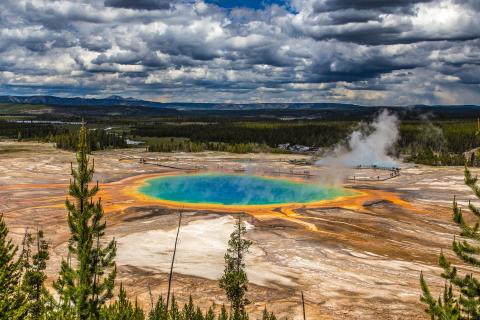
(367, 148)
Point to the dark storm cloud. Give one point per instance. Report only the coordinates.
(120, 58)
(98, 43)
(381, 5)
(470, 75)
(268, 53)
(370, 66)
(353, 16)
(371, 34)
(183, 45)
(140, 4)
(365, 51)
(388, 35)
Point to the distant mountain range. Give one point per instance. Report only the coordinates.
(78, 101)
(132, 102)
(118, 101)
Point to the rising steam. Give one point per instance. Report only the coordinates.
(366, 147)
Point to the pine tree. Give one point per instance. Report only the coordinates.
(12, 300)
(445, 307)
(173, 312)
(234, 280)
(38, 299)
(87, 281)
(189, 310)
(268, 316)
(223, 315)
(467, 304)
(210, 315)
(159, 311)
(122, 309)
(198, 314)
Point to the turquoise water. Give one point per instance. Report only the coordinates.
(232, 189)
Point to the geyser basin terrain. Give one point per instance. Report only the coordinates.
(232, 189)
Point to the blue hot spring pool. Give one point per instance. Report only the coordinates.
(233, 189)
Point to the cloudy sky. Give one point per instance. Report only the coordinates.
(371, 52)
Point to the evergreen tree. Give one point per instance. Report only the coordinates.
(159, 311)
(122, 309)
(445, 307)
(173, 312)
(467, 304)
(12, 300)
(87, 282)
(234, 280)
(268, 315)
(198, 314)
(189, 310)
(38, 299)
(210, 315)
(223, 315)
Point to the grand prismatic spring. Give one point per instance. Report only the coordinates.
(234, 189)
(323, 241)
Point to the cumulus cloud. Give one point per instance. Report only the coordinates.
(361, 51)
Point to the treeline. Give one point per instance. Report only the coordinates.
(432, 143)
(64, 136)
(84, 288)
(186, 145)
(438, 143)
(30, 131)
(318, 134)
(448, 136)
(429, 157)
(98, 139)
